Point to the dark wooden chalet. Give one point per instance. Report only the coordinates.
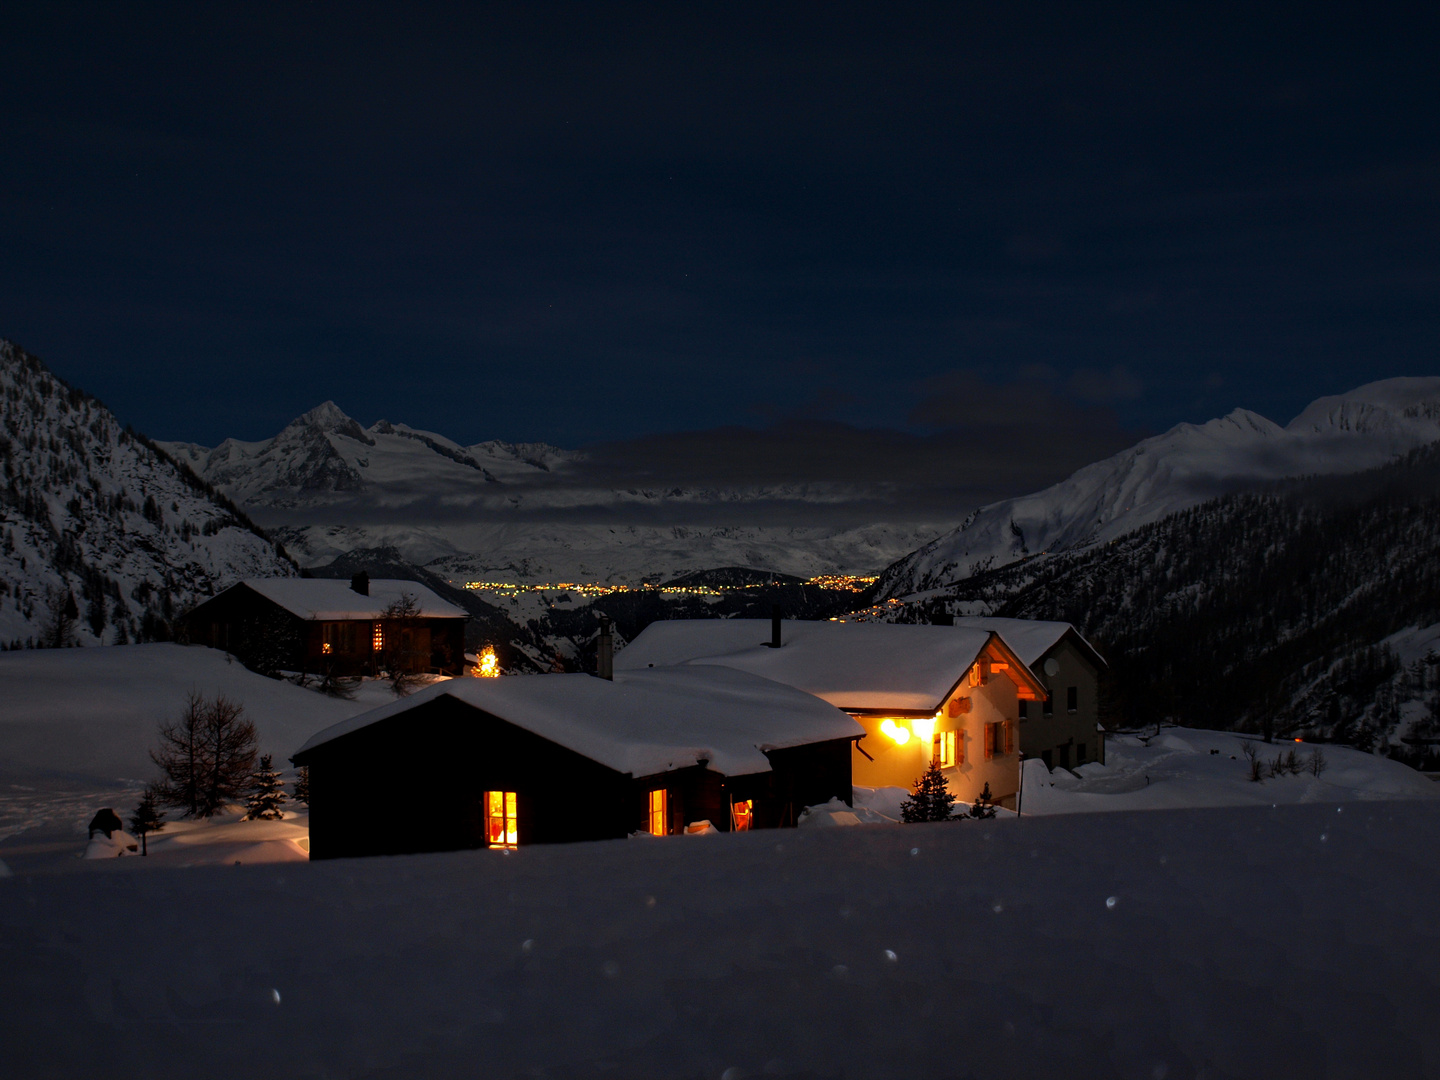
(321, 625)
(543, 759)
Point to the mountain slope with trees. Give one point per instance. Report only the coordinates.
(1304, 609)
(104, 538)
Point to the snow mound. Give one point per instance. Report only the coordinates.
(1189, 767)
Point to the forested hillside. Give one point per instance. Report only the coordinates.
(1303, 609)
(103, 537)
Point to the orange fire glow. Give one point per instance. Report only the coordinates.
(487, 664)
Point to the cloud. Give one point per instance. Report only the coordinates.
(1102, 387)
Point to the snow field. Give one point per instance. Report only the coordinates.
(1247, 942)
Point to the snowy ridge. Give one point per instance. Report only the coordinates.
(93, 511)
(1184, 466)
(327, 486)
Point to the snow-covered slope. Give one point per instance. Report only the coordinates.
(92, 510)
(326, 486)
(1238, 943)
(88, 716)
(1185, 466)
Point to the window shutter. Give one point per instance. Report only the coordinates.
(1009, 737)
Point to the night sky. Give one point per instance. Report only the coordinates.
(791, 229)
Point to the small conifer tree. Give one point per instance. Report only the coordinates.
(267, 794)
(984, 803)
(148, 817)
(302, 785)
(931, 800)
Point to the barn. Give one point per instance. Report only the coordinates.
(326, 626)
(543, 759)
(921, 693)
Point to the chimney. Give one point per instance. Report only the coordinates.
(360, 583)
(776, 615)
(605, 653)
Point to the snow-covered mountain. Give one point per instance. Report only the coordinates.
(1183, 467)
(326, 486)
(92, 512)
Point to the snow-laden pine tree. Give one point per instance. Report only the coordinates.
(931, 800)
(148, 817)
(267, 794)
(302, 785)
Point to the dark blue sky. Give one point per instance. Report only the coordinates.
(589, 222)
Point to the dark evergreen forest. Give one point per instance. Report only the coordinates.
(1262, 611)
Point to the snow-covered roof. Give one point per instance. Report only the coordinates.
(644, 722)
(852, 665)
(1030, 638)
(332, 599)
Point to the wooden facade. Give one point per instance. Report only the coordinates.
(242, 621)
(455, 754)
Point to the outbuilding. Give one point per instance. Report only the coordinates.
(921, 693)
(540, 759)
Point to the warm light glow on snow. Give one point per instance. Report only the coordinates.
(895, 731)
(487, 664)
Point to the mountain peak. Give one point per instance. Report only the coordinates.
(328, 418)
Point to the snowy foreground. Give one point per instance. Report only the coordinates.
(1250, 942)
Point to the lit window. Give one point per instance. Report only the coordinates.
(742, 815)
(659, 816)
(326, 648)
(975, 673)
(378, 639)
(946, 743)
(501, 819)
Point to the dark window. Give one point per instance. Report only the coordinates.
(1065, 756)
(1049, 707)
(1024, 709)
(1072, 699)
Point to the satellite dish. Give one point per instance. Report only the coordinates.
(1052, 667)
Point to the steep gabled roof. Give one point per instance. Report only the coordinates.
(1031, 638)
(863, 667)
(644, 722)
(332, 599)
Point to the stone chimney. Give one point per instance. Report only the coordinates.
(360, 583)
(605, 651)
(776, 617)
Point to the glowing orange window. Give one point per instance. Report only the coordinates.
(501, 819)
(659, 813)
(742, 815)
(378, 637)
(945, 749)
